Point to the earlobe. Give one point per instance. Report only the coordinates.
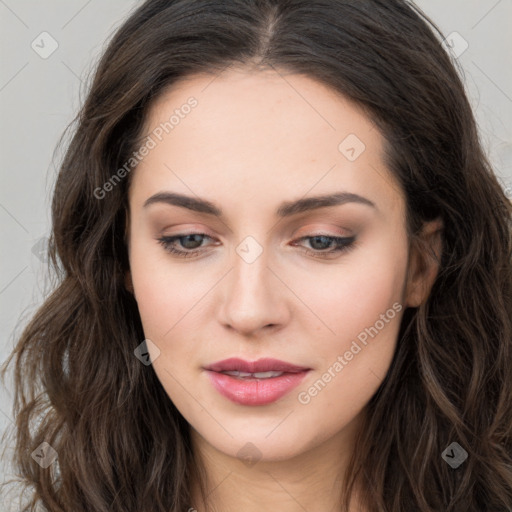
(424, 263)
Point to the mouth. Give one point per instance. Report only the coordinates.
(259, 382)
(253, 376)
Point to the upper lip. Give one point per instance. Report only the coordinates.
(261, 365)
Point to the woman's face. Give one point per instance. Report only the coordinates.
(262, 277)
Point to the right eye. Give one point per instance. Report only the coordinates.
(186, 240)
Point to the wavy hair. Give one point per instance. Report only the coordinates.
(122, 445)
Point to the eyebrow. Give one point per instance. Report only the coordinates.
(286, 209)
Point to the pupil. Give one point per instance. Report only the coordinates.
(189, 238)
(316, 238)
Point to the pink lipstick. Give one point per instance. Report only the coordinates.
(255, 382)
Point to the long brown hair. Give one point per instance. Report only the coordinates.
(122, 445)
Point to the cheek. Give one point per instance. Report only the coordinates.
(355, 361)
(350, 296)
(361, 303)
(163, 292)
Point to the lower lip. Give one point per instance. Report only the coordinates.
(254, 391)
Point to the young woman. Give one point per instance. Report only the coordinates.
(285, 274)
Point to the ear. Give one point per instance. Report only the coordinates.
(424, 263)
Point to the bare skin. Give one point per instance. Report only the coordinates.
(254, 141)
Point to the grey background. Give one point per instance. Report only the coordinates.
(40, 96)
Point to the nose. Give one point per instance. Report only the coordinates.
(254, 298)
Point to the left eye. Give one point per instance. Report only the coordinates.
(341, 245)
(192, 242)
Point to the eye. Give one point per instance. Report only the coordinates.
(322, 244)
(190, 241)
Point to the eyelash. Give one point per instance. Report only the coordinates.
(343, 245)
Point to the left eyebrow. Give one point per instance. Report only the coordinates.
(286, 209)
(313, 203)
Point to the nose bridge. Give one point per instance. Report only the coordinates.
(253, 297)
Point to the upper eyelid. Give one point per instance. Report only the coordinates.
(308, 235)
(335, 225)
(308, 231)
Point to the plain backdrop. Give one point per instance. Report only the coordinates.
(49, 47)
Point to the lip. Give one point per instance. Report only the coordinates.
(261, 365)
(255, 391)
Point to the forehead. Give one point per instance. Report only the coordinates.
(289, 103)
(257, 134)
